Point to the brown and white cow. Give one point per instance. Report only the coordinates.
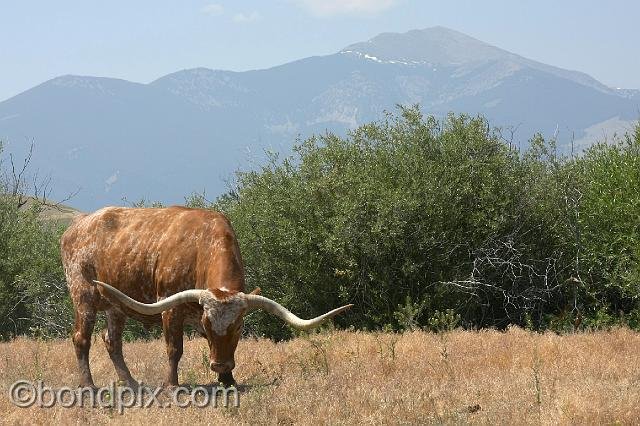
(173, 266)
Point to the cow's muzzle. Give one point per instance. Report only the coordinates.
(222, 367)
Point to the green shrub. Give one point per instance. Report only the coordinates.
(404, 208)
(411, 209)
(33, 294)
(420, 223)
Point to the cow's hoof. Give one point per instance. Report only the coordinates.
(226, 379)
(169, 387)
(130, 383)
(90, 387)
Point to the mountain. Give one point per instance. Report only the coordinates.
(188, 131)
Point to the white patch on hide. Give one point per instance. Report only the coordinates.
(222, 313)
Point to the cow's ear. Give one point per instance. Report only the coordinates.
(255, 291)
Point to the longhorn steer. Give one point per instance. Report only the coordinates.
(173, 266)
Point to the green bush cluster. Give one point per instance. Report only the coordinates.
(421, 223)
(410, 216)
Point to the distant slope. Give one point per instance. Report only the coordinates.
(188, 131)
(53, 212)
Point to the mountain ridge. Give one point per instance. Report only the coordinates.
(465, 45)
(189, 130)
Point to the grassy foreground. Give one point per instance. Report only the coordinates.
(511, 377)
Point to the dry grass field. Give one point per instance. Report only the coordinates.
(487, 377)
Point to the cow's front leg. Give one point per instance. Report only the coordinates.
(172, 324)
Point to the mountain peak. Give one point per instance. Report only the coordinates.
(435, 45)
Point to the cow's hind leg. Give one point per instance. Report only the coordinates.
(112, 338)
(85, 318)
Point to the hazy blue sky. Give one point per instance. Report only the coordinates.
(141, 40)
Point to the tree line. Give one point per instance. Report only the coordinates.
(420, 222)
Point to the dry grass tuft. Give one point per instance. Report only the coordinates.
(485, 377)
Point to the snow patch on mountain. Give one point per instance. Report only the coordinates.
(380, 61)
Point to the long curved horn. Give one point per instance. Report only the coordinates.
(185, 296)
(255, 301)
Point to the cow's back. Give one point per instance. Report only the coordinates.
(145, 252)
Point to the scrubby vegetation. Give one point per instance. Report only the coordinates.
(421, 223)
